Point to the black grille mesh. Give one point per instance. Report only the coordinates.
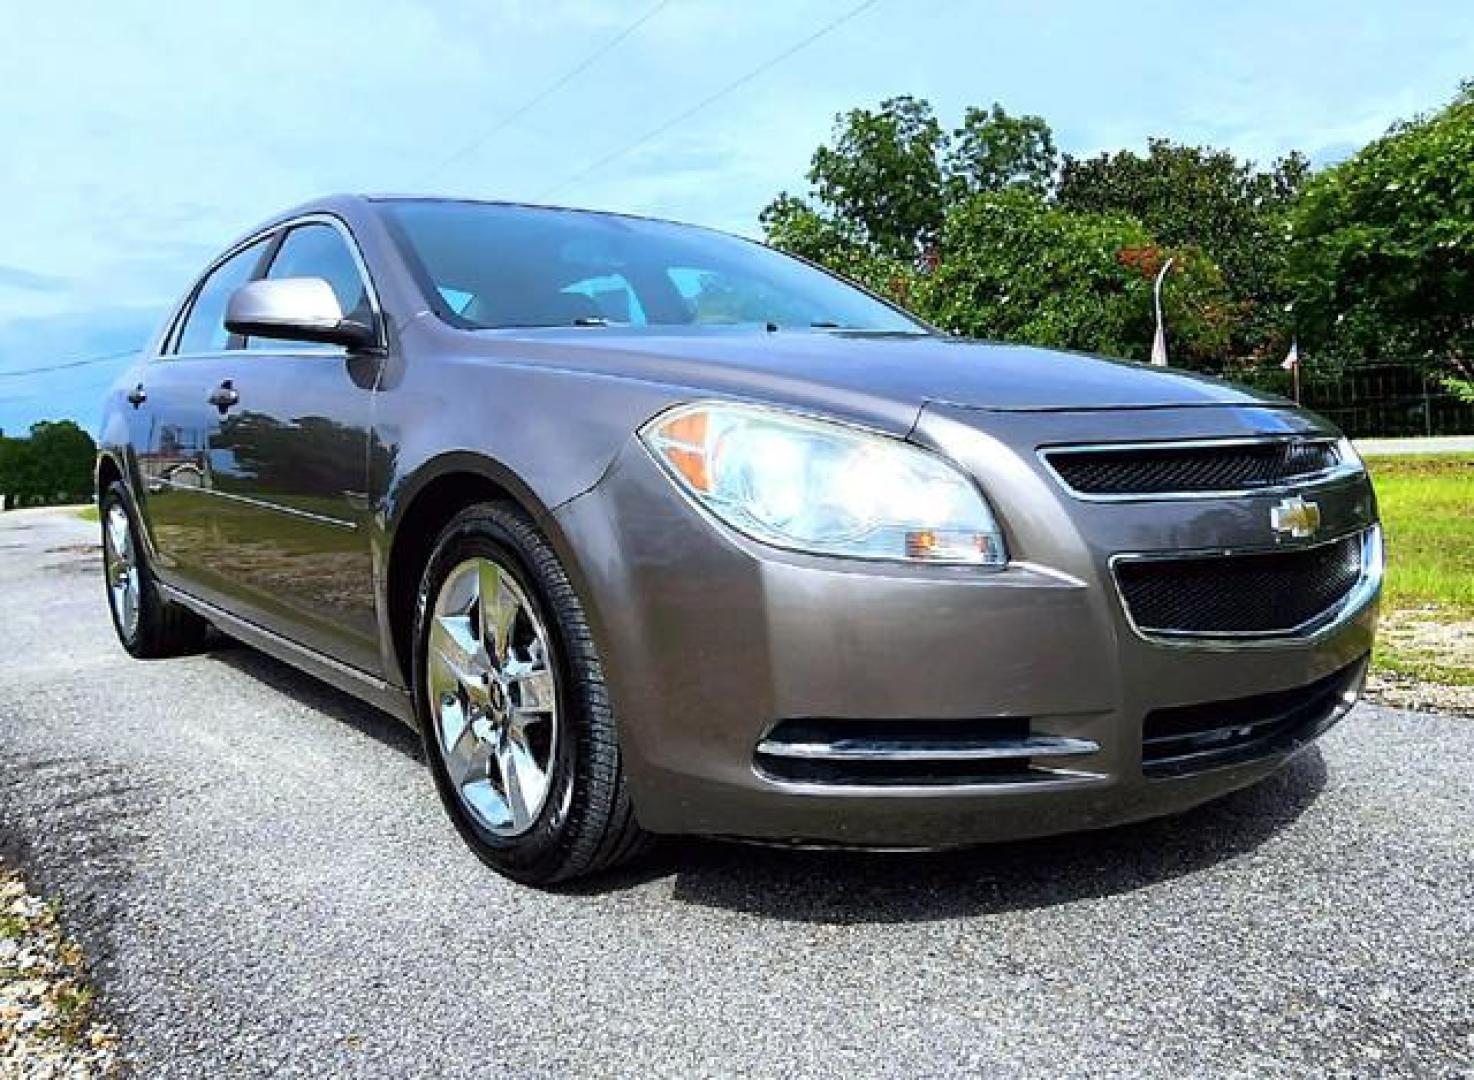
(1185, 738)
(1260, 592)
(1167, 470)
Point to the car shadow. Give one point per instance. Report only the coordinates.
(855, 887)
(839, 887)
(316, 694)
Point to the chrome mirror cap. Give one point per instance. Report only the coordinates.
(294, 309)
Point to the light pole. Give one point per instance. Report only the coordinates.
(1159, 342)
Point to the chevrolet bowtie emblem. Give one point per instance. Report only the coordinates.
(1295, 517)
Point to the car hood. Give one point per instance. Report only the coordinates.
(849, 370)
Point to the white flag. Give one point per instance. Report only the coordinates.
(1292, 358)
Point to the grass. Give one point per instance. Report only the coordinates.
(1427, 504)
(88, 513)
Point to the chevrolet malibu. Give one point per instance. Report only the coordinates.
(647, 529)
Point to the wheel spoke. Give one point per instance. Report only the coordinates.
(499, 609)
(454, 644)
(113, 532)
(534, 692)
(130, 597)
(522, 780)
(468, 759)
(117, 534)
(453, 720)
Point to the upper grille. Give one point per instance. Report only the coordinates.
(1192, 470)
(1270, 592)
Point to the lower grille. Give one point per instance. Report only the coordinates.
(912, 752)
(1189, 738)
(1249, 593)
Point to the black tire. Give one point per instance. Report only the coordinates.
(163, 628)
(586, 824)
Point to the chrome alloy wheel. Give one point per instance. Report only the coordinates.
(120, 566)
(493, 696)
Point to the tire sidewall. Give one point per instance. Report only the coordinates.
(484, 532)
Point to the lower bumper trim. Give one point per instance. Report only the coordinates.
(850, 750)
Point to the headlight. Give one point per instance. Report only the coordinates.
(823, 487)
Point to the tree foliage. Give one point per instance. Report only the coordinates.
(53, 466)
(883, 176)
(987, 230)
(1383, 260)
(963, 228)
(993, 151)
(1020, 269)
(1211, 200)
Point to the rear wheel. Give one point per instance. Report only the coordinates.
(513, 709)
(148, 626)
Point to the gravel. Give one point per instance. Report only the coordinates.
(260, 869)
(48, 1026)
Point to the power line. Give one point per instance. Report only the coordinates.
(83, 362)
(537, 99)
(735, 84)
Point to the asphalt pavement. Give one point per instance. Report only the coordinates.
(260, 868)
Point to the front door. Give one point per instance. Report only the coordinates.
(289, 468)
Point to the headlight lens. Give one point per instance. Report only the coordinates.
(823, 487)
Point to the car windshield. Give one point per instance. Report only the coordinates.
(487, 265)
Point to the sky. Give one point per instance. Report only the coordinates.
(140, 138)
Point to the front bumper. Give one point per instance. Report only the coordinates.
(711, 642)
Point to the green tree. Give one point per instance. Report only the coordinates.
(1019, 269)
(54, 465)
(883, 176)
(1384, 245)
(796, 227)
(914, 211)
(13, 469)
(993, 150)
(1190, 195)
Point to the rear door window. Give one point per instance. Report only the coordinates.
(204, 330)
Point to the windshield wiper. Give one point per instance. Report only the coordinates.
(891, 332)
(591, 320)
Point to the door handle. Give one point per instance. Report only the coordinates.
(136, 396)
(224, 396)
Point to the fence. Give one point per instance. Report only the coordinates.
(1374, 400)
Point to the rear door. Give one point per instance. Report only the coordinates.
(174, 427)
(289, 461)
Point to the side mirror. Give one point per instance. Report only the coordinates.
(294, 309)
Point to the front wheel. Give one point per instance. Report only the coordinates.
(512, 705)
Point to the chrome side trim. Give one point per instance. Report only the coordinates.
(1321, 626)
(891, 750)
(290, 511)
(1344, 470)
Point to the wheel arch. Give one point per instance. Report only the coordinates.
(107, 470)
(421, 508)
